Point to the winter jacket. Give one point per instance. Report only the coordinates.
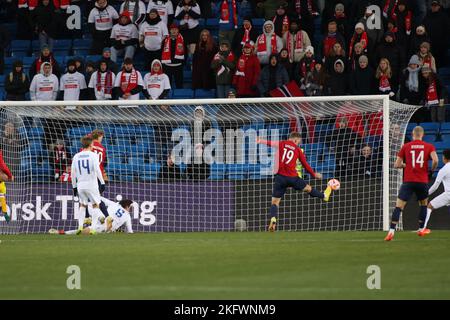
(361, 81)
(224, 69)
(45, 19)
(264, 83)
(16, 86)
(202, 74)
(246, 84)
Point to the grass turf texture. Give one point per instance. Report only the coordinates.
(315, 265)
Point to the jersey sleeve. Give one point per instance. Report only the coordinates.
(401, 153)
(274, 144)
(97, 169)
(128, 225)
(305, 164)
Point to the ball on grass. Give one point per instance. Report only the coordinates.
(240, 225)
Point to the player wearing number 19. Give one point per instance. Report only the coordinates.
(286, 175)
(85, 173)
(413, 158)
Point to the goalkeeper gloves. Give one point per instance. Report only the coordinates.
(101, 188)
(75, 192)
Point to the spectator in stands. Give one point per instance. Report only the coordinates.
(247, 73)
(223, 65)
(136, 10)
(106, 56)
(358, 51)
(283, 59)
(392, 52)
(79, 65)
(438, 25)
(345, 143)
(4, 40)
(314, 82)
(72, 84)
(425, 57)
(331, 38)
(420, 36)
(173, 56)
(329, 11)
(268, 8)
(90, 68)
(361, 79)
(338, 81)
(128, 83)
(188, 13)
(165, 10)
(44, 22)
(231, 93)
(281, 21)
(156, 82)
(228, 13)
(247, 8)
(342, 22)
(243, 35)
(101, 83)
(305, 11)
(24, 29)
(268, 43)
(151, 35)
(409, 84)
(169, 170)
(202, 74)
(305, 66)
(45, 85)
(433, 94)
(296, 41)
(386, 83)
(337, 53)
(60, 159)
(46, 56)
(374, 32)
(359, 38)
(368, 164)
(403, 18)
(272, 76)
(17, 83)
(101, 20)
(124, 37)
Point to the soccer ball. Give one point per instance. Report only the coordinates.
(240, 225)
(334, 184)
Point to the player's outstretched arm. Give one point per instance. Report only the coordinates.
(434, 160)
(437, 182)
(273, 144)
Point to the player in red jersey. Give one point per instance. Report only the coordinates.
(413, 158)
(5, 175)
(98, 148)
(286, 174)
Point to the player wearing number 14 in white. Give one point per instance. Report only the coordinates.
(85, 173)
(413, 159)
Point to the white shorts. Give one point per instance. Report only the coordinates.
(441, 200)
(89, 195)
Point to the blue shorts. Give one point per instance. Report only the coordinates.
(408, 188)
(281, 183)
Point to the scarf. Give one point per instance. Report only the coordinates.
(136, 12)
(362, 38)
(408, 21)
(225, 13)
(107, 85)
(432, 96)
(32, 4)
(127, 87)
(240, 72)
(222, 68)
(413, 79)
(285, 23)
(389, 13)
(246, 37)
(298, 43)
(384, 84)
(307, 65)
(262, 44)
(167, 48)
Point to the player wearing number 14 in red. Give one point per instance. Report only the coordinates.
(413, 158)
(286, 175)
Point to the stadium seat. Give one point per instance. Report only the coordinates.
(430, 138)
(446, 138)
(93, 58)
(212, 24)
(204, 94)
(62, 44)
(182, 94)
(445, 128)
(138, 149)
(2, 80)
(80, 52)
(19, 54)
(28, 61)
(201, 22)
(258, 23)
(35, 47)
(78, 132)
(440, 146)
(125, 131)
(81, 44)
(20, 46)
(431, 128)
(150, 172)
(136, 164)
(374, 141)
(281, 128)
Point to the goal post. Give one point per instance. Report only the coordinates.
(194, 164)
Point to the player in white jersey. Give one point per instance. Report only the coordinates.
(85, 173)
(443, 177)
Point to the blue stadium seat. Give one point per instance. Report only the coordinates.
(61, 44)
(217, 171)
(125, 131)
(440, 146)
(20, 45)
(9, 62)
(138, 149)
(282, 129)
(212, 24)
(80, 52)
(446, 138)
(258, 23)
(2, 80)
(445, 128)
(430, 138)
(204, 94)
(150, 172)
(136, 164)
(28, 61)
(201, 22)
(19, 54)
(35, 46)
(430, 128)
(81, 44)
(93, 58)
(313, 149)
(182, 94)
(78, 132)
(374, 141)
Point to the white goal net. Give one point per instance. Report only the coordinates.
(194, 165)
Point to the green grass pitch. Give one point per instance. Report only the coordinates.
(283, 265)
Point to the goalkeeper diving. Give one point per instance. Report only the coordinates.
(5, 175)
(118, 217)
(287, 176)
